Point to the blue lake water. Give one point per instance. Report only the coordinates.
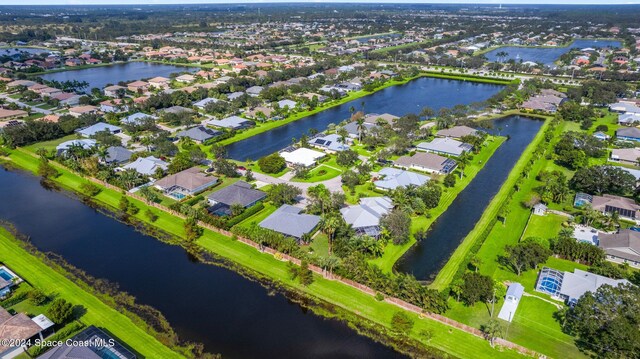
(101, 76)
(11, 51)
(396, 100)
(547, 55)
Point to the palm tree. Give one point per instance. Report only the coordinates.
(463, 161)
(330, 224)
(361, 128)
(102, 153)
(491, 330)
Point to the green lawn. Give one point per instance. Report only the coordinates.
(546, 226)
(320, 173)
(258, 217)
(393, 252)
(51, 145)
(377, 314)
(97, 313)
(320, 245)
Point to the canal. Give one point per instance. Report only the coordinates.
(396, 100)
(213, 305)
(100, 76)
(425, 259)
(546, 55)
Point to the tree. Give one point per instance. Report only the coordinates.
(248, 176)
(191, 229)
(525, 255)
(606, 322)
(603, 179)
(46, 170)
(476, 288)
(398, 225)
(283, 193)
(60, 311)
(401, 323)
(491, 330)
(347, 158)
(463, 161)
(302, 272)
(123, 204)
(273, 163)
(37, 297)
(330, 224)
(449, 180)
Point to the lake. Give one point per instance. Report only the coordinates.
(547, 55)
(12, 51)
(226, 312)
(396, 100)
(425, 259)
(100, 76)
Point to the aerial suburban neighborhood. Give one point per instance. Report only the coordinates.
(319, 180)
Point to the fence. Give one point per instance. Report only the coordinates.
(285, 257)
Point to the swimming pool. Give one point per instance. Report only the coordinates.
(177, 195)
(5, 275)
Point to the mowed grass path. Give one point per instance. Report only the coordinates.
(40, 276)
(450, 340)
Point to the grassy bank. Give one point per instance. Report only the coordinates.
(465, 77)
(393, 252)
(447, 273)
(97, 313)
(376, 314)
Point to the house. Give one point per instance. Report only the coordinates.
(375, 119)
(330, 143)
(67, 99)
(622, 247)
(239, 193)
(301, 157)
(113, 105)
(16, 329)
(353, 129)
(114, 91)
(8, 279)
(392, 178)
(204, 102)
(539, 209)
(198, 134)
(138, 86)
(365, 217)
(457, 132)
(82, 110)
(607, 204)
(137, 119)
(601, 136)
(625, 155)
(629, 119)
(260, 112)
(232, 122)
(628, 134)
(98, 127)
(511, 301)
(586, 234)
(569, 286)
(624, 107)
(445, 146)
(254, 91)
(235, 95)
(147, 166)
(287, 104)
(159, 82)
(6, 115)
(117, 155)
(427, 162)
(186, 78)
(185, 183)
(95, 349)
(288, 221)
(64, 146)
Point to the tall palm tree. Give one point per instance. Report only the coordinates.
(463, 161)
(330, 224)
(361, 128)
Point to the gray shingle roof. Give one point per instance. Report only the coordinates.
(288, 221)
(198, 133)
(118, 154)
(237, 193)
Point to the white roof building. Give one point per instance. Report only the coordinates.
(302, 156)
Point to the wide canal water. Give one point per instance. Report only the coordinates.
(546, 55)
(425, 259)
(226, 312)
(100, 76)
(396, 100)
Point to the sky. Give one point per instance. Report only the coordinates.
(151, 2)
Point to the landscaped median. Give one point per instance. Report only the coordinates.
(350, 303)
(393, 252)
(50, 281)
(447, 273)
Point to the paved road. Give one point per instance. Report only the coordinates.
(24, 105)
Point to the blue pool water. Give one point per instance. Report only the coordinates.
(4, 275)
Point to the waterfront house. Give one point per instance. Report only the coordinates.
(67, 99)
(198, 134)
(19, 328)
(392, 178)
(260, 113)
(159, 82)
(376, 119)
(628, 134)
(98, 127)
(329, 143)
(147, 166)
(240, 193)
(607, 204)
(569, 286)
(94, 350)
(427, 162)
(445, 146)
(138, 86)
(457, 132)
(115, 91)
(622, 247)
(232, 122)
(288, 221)
(186, 78)
(302, 157)
(287, 104)
(365, 217)
(8, 280)
(117, 155)
(185, 183)
(86, 144)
